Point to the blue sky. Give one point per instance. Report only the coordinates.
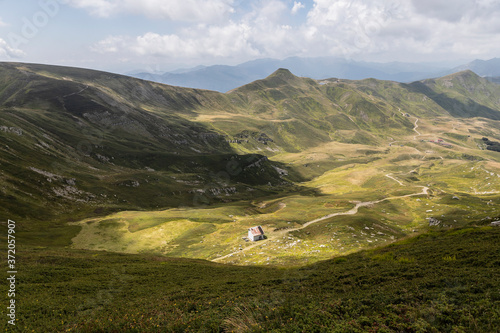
(160, 35)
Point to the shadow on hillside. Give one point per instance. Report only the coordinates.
(455, 107)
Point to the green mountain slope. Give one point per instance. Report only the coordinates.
(299, 113)
(463, 95)
(84, 145)
(78, 142)
(111, 180)
(438, 282)
(306, 113)
(379, 143)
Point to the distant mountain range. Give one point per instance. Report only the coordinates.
(489, 69)
(485, 68)
(224, 78)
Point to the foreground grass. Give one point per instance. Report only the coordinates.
(442, 281)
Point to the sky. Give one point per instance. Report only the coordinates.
(162, 35)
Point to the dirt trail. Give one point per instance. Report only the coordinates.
(354, 210)
(415, 129)
(396, 180)
(351, 211)
(76, 93)
(415, 136)
(416, 125)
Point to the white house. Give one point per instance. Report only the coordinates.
(255, 233)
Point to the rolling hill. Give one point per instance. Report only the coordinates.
(81, 143)
(78, 142)
(224, 78)
(488, 68)
(129, 195)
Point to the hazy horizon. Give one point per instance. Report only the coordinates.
(127, 35)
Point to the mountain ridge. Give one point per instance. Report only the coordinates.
(109, 133)
(489, 68)
(224, 78)
(378, 200)
(97, 143)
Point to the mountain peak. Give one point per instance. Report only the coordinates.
(283, 74)
(482, 67)
(465, 74)
(280, 77)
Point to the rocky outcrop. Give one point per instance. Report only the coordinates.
(256, 163)
(14, 130)
(434, 222)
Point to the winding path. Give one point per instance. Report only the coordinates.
(76, 93)
(351, 211)
(415, 129)
(415, 136)
(396, 180)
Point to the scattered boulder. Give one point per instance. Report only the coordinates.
(14, 130)
(455, 198)
(434, 222)
(495, 223)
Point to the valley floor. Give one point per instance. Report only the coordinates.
(360, 197)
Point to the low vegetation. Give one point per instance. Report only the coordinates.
(440, 281)
(492, 145)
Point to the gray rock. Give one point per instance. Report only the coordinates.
(433, 222)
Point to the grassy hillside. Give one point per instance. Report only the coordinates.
(463, 95)
(306, 113)
(300, 113)
(83, 145)
(443, 281)
(120, 187)
(77, 143)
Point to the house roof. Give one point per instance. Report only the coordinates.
(256, 231)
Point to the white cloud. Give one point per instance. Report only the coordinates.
(258, 33)
(230, 41)
(2, 23)
(270, 12)
(457, 10)
(348, 27)
(8, 52)
(297, 6)
(405, 29)
(103, 8)
(264, 32)
(175, 10)
(389, 29)
(111, 44)
(446, 10)
(183, 10)
(351, 13)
